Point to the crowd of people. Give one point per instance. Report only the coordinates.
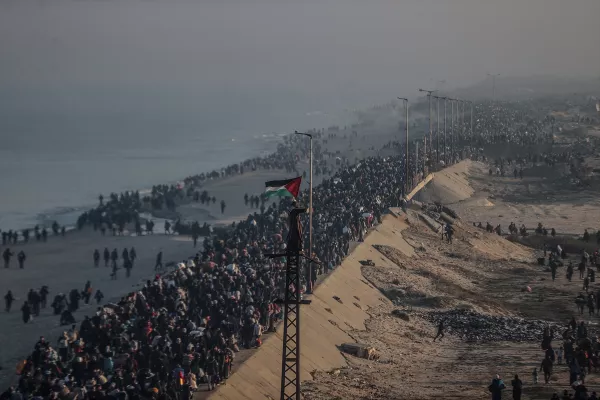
(578, 353)
(183, 328)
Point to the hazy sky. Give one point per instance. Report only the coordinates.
(156, 54)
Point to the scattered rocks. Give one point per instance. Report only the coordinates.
(395, 293)
(401, 314)
(475, 327)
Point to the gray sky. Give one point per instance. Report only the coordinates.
(78, 54)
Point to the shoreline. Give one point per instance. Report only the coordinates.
(46, 218)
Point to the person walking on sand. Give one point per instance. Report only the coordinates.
(159, 264)
(440, 331)
(87, 292)
(132, 256)
(449, 232)
(553, 268)
(106, 256)
(8, 300)
(581, 269)
(26, 312)
(96, 258)
(517, 386)
(570, 271)
(6, 255)
(546, 367)
(114, 257)
(222, 206)
(496, 388)
(113, 275)
(127, 265)
(98, 296)
(44, 292)
(21, 259)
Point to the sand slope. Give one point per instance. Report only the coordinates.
(325, 324)
(448, 186)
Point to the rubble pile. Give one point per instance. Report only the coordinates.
(475, 327)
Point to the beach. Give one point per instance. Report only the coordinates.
(66, 263)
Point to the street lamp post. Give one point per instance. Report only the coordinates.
(452, 129)
(430, 126)
(462, 116)
(405, 100)
(494, 97)
(493, 85)
(471, 119)
(310, 211)
(438, 126)
(445, 143)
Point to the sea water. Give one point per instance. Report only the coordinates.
(53, 171)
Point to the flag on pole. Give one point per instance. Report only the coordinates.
(283, 188)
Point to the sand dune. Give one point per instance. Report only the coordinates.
(479, 271)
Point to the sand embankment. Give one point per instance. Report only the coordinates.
(448, 186)
(325, 324)
(479, 271)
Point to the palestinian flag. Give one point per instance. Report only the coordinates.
(283, 188)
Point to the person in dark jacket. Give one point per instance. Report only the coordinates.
(8, 300)
(21, 259)
(6, 255)
(211, 370)
(99, 296)
(517, 386)
(547, 368)
(26, 310)
(496, 388)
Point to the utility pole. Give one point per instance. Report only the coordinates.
(462, 116)
(493, 85)
(416, 158)
(445, 144)
(430, 126)
(471, 119)
(438, 127)
(406, 184)
(424, 154)
(494, 98)
(309, 278)
(452, 129)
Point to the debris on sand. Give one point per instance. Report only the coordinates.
(475, 327)
(401, 314)
(360, 350)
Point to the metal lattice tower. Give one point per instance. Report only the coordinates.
(290, 360)
(290, 357)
